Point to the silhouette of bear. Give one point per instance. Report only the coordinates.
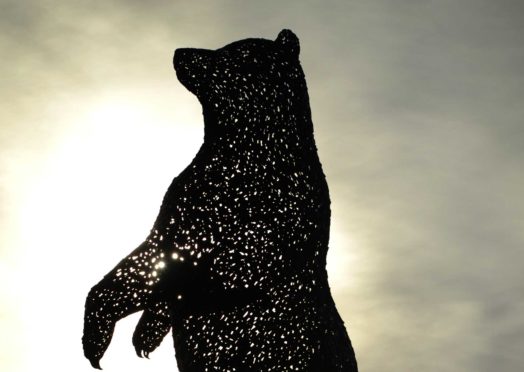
(235, 263)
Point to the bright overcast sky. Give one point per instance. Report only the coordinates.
(418, 109)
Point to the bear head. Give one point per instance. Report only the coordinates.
(246, 82)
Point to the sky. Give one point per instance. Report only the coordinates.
(419, 122)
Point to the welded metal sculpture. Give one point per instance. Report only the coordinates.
(235, 262)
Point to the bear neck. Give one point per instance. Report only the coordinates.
(255, 122)
(262, 128)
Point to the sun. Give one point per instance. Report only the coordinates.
(91, 200)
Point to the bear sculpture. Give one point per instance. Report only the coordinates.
(235, 262)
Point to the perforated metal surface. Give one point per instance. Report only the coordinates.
(235, 262)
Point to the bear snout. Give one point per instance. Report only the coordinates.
(180, 56)
(191, 66)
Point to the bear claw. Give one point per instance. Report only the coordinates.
(95, 363)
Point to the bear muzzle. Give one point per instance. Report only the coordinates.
(192, 67)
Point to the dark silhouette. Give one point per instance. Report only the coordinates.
(235, 262)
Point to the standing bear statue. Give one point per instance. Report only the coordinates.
(235, 263)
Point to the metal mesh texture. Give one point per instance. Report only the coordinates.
(235, 262)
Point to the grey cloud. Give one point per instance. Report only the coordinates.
(429, 146)
(418, 115)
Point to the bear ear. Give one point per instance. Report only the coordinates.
(289, 42)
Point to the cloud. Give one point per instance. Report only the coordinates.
(418, 119)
